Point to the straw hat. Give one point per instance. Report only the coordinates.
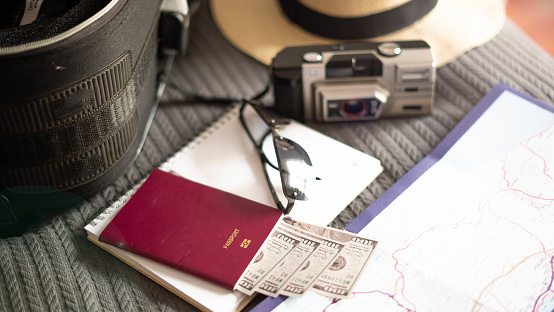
(261, 28)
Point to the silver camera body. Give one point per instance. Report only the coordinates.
(356, 81)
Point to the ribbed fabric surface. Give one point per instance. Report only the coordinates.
(52, 267)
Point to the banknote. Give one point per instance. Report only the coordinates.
(322, 231)
(339, 278)
(313, 266)
(299, 256)
(277, 277)
(274, 249)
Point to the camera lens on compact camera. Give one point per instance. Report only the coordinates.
(350, 108)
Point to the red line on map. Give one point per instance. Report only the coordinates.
(529, 195)
(386, 294)
(524, 143)
(505, 173)
(522, 228)
(540, 157)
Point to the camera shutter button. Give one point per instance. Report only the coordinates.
(312, 57)
(389, 49)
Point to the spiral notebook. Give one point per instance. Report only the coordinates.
(223, 157)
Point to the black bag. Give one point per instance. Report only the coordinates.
(77, 92)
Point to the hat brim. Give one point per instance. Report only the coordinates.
(261, 30)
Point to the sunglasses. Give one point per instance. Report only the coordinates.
(286, 156)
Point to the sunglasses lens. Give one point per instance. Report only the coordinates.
(296, 168)
(287, 166)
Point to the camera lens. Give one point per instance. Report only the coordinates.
(350, 108)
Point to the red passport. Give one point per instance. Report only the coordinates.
(192, 227)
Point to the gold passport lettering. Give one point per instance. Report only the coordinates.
(231, 238)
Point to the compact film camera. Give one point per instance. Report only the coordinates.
(354, 81)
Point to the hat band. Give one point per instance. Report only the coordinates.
(358, 27)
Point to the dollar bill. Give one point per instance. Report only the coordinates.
(340, 277)
(277, 277)
(313, 266)
(273, 250)
(321, 231)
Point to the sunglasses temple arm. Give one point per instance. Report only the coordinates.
(290, 202)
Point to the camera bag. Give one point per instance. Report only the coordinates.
(77, 94)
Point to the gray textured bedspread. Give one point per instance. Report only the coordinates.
(52, 267)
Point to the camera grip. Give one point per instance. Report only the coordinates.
(287, 87)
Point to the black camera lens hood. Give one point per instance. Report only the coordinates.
(74, 108)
